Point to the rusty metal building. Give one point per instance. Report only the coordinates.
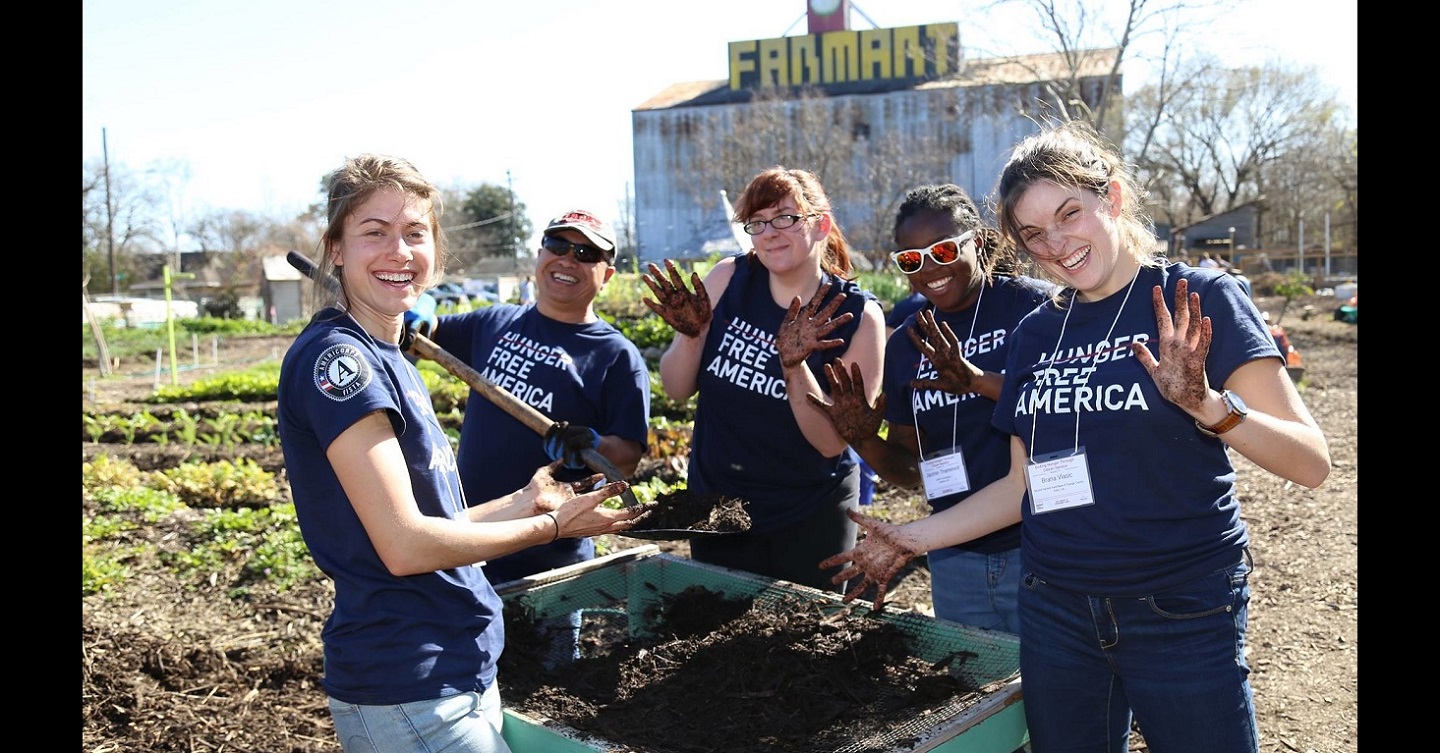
(872, 112)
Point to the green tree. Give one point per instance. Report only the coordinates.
(486, 222)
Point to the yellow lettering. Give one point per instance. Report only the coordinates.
(909, 55)
(875, 54)
(941, 36)
(805, 59)
(772, 64)
(742, 61)
(838, 57)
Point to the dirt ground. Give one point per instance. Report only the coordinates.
(169, 664)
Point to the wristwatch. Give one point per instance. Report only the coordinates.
(1238, 412)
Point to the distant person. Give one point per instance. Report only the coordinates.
(1243, 280)
(1208, 262)
(752, 340)
(527, 292)
(1123, 414)
(412, 640)
(943, 370)
(903, 309)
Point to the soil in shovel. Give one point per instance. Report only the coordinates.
(684, 510)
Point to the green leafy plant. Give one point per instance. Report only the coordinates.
(224, 427)
(264, 543)
(1294, 286)
(102, 573)
(223, 484)
(187, 426)
(151, 504)
(254, 384)
(105, 471)
(94, 426)
(649, 331)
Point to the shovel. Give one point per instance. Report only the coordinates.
(423, 347)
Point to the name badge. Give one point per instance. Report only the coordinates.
(944, 475)
(1059, 481)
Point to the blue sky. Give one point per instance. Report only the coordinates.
(259, 99)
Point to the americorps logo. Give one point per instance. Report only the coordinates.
(341, 372)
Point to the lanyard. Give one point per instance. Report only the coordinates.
(1034, 418)
(955, 418)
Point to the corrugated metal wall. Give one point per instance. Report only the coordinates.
(946, 133)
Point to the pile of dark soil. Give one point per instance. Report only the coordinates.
(689, 511)
(770, 677)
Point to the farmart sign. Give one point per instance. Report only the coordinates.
(837, 57)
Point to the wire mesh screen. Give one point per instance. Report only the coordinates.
(646, 654)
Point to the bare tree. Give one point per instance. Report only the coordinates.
(1088, 32)
(1315, 179)
(231, 242)
(1211, 143)
(131, 220)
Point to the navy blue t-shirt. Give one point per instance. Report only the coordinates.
(746, 442)
(388, 639)
(587, 374)
(962, 422)
(1165, 508)
(904, 309)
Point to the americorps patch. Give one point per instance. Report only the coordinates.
(341, 372)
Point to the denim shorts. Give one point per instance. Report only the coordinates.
(463, 723)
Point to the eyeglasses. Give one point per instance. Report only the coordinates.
(942, 252)
(779, 222)
(583, 253)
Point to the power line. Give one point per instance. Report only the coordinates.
(469, 225)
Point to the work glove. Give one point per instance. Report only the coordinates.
(566, 442)
(421, 319)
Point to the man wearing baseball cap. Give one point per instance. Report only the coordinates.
(597, 231)
(560, 357)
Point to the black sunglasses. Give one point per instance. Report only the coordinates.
(583, 253)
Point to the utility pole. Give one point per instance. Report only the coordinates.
(514, 246)
(109, 215)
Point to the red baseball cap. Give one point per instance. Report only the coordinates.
(597, 230)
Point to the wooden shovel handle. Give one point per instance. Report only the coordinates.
(423, 347)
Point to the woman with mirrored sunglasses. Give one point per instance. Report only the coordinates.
(943, 369)
(779, 313)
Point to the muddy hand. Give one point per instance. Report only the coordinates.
(874, 561)
(804, 327)
(1184, 342)
(688, 313)
(937, 342)
(583, 514)
(855, 420)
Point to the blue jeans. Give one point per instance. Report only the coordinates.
(976, 589)
(1177, 659)
(464, 723)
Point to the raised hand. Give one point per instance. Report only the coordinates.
(855, 420)
(688, 313)
(937, 342)
(804, 327)
(1184, 342)
(874, 561)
